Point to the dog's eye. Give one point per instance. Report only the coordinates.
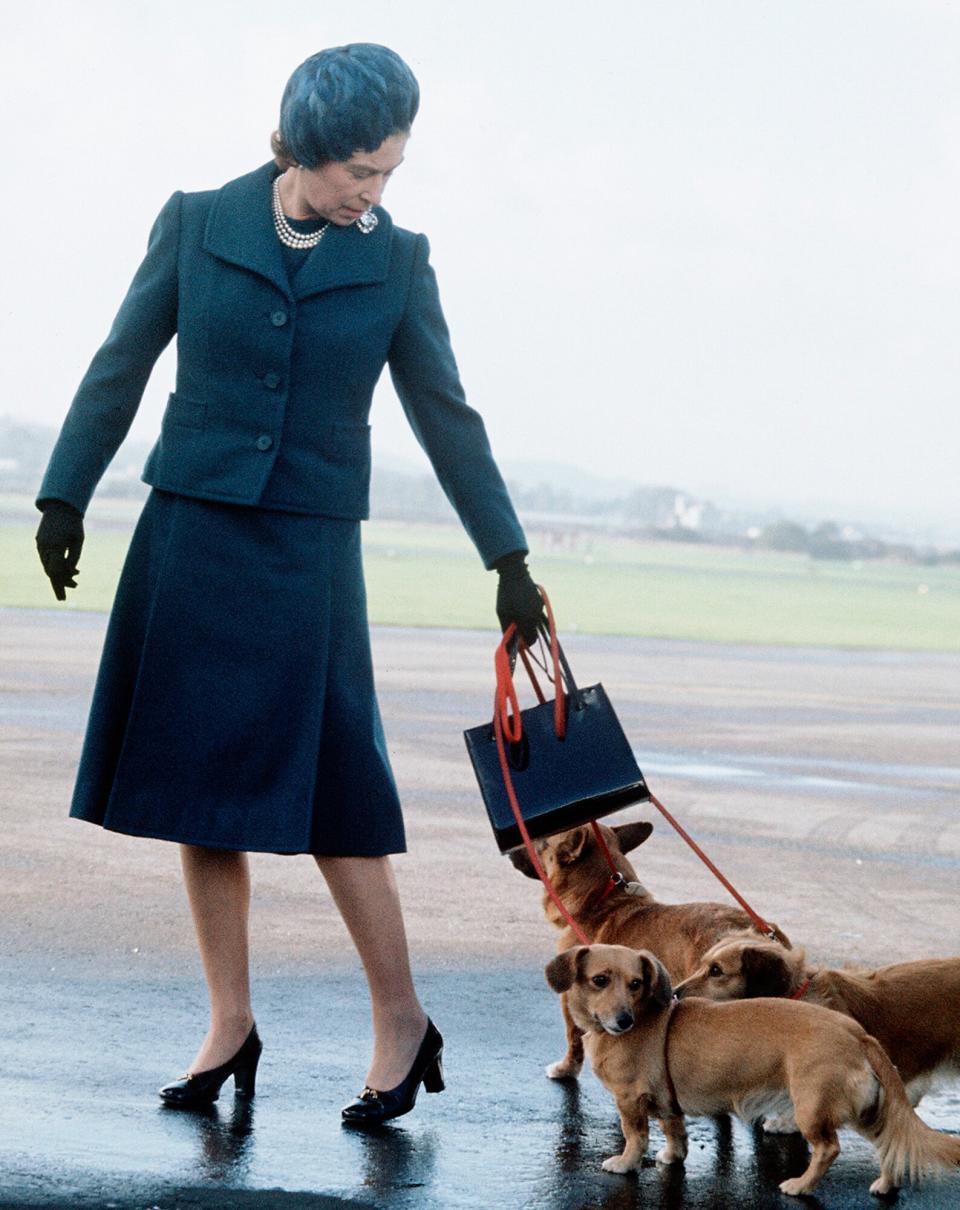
(634, 985)
(714, 971)
(600, 980)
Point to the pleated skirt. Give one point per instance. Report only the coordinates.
(235, 705)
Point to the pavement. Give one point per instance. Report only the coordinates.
(825, 784)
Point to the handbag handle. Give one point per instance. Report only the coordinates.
(506, 696)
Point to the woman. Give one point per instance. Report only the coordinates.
(235, 706)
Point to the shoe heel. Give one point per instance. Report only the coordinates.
(433, 1076)
(204, 1087)
(245, 1079)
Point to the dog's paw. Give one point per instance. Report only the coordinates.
(617, 1163)
(563, 1069)
(670, 1155)
(882, 1186)
(795, 1187)
(784, 1124)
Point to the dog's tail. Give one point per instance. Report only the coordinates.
(909, 1148)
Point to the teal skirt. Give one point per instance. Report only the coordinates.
(235, 705)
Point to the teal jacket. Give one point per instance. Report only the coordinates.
(274, 381)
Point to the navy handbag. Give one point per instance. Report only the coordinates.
(562, 762)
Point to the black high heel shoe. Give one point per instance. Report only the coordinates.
(372, 1107)
(203, 1088)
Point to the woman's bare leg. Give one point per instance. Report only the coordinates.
(218, 886)
(365, 891)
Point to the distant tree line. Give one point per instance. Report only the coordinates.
(826, 541)
(556, 509)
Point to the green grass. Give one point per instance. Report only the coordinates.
(429, 575)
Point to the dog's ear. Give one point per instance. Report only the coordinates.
(630, 835)
(571, 845)
(520, 860)
(657, 987)
(563, 970)
(765, 972)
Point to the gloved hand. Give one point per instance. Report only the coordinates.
(517, 597)
(59, 542)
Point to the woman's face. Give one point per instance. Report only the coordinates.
(342, 190)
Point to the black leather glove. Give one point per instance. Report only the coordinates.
(517, 597)
(59, 542)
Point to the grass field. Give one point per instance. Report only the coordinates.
(429, 575)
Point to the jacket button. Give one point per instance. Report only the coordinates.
(271, 380)
(278, 318)
(264, 442)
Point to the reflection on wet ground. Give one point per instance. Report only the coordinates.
(84, 1126)
(224, 1138)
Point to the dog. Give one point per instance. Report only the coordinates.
(911, 1008)
(678, 933)
(670, 1057)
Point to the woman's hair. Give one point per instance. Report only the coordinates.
(342, 100)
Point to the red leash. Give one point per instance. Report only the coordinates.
(507, 722)
(761, 925)
(531, 851)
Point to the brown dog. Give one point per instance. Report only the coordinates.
(749, 1057)
(678, 933)
(912, 1008)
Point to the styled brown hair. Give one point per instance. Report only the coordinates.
(281, 156)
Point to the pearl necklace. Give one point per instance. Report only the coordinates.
(285, 233)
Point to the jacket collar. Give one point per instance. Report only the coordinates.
(240, 231)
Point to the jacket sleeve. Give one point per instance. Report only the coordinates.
(109, 395)
(424, 373)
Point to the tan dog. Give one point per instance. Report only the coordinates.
(665, 1057)
(678, 933)
(912, 1008)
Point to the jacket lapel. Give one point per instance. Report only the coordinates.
(240, 231)
(240, 227)
(346, 257)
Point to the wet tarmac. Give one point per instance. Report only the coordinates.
(80, 1122)
(825, 783)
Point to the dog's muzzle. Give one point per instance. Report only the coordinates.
(622, 1022)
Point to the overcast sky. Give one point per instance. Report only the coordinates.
(713, 244)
